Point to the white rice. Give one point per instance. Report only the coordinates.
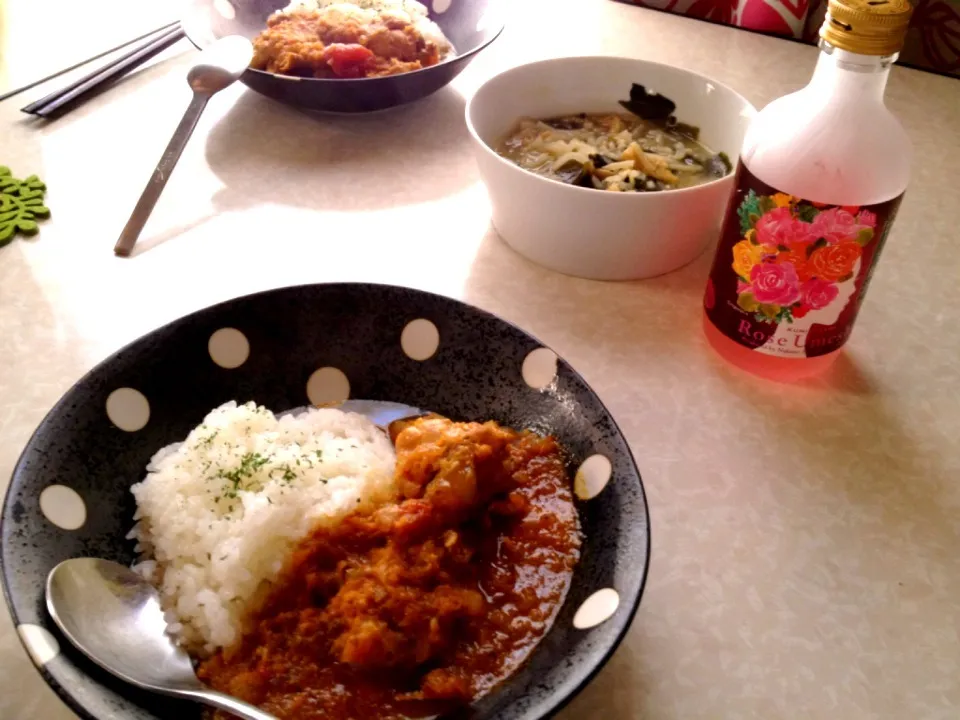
(413, 8)
(218, 514)
(410, 10)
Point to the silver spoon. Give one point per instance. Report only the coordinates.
(114, 617)
(219, 66)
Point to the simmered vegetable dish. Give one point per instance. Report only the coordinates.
(643, 150)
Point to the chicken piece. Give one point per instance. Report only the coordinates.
(370, 642)
(446, 684)
(452, 465)
(404, 45)
(389, 614)
(290, 45)
(350, 26)
(391, 66)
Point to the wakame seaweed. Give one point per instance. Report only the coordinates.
(647, 105)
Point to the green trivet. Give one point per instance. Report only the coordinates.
(21, 204)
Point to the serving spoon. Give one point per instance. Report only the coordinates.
(218, 67)
(113, 616)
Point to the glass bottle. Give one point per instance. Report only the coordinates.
(822, 172)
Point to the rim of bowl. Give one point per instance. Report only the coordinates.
(500, 26)
(649, 197)
(69, 698)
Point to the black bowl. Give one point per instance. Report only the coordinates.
(470, 25)
(475, 374)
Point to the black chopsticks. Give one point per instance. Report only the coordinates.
(63, 99)
(58, 73)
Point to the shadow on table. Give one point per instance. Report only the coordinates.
(632, 321)
(266, 152)
(617, 692)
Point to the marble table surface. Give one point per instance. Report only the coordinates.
(806, 539)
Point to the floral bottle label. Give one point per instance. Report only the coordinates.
(789, 274)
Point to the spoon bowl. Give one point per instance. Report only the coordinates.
(221, 65)
(113, 616)
(115, 619)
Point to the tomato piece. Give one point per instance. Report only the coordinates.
(347, 61)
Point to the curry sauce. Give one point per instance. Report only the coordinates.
(425, 604)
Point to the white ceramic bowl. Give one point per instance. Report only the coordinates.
(592, 233)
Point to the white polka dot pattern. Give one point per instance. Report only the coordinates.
(42, 646)
(328, 385)
(539, 368)
(420, 339)
(228, 348)
(596, 609)
(128, 409)
(592, 477)
(441, 6)
(63, 506)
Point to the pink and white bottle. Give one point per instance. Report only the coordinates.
(822, 172)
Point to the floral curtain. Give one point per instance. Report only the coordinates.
(781, 17)
(933, 42)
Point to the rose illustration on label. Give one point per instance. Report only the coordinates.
(789, 274)
(796, 260)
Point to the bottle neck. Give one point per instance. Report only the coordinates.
(841, 74)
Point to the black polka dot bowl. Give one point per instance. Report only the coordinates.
(70, 491)
(469, 25)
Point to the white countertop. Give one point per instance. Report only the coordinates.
(806, 540)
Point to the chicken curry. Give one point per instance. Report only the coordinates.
(425, 604)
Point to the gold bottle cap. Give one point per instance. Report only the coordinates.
(867, 27)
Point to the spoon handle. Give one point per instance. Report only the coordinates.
(219, 700)
(151, 193)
